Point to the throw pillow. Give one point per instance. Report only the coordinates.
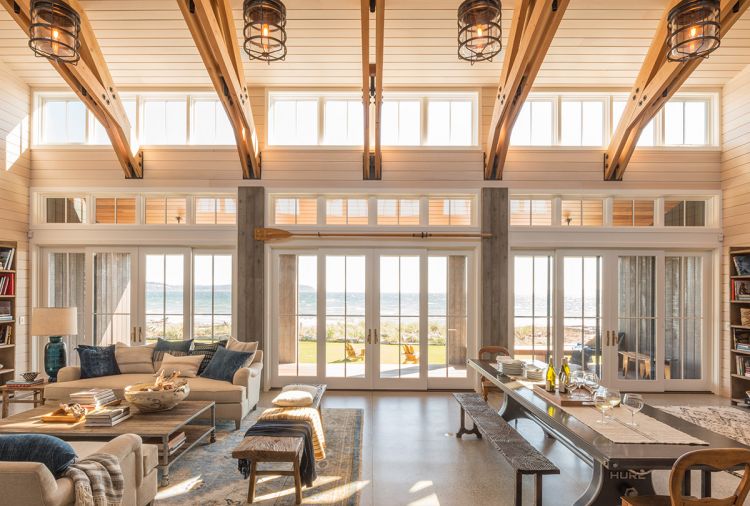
(174, 348)
(293, 398)
(207, 350)
(236, 345)
(186, 365)
(53, 452)
(225, 363)
(134, 359)
(97, 361)
(310, 389)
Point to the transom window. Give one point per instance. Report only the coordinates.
(582, 213)
(63, 121)
(582, 122)
(210, 124)
(398, 211)
(530, 212)
(340, 211)
(166, 210)
(164, 121)
(66, 210)
(295, 211)
(116, 210)
(535, 124)
(632, 213)
(215, 210)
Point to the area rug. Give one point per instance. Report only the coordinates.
(727, 421)
(208, 475)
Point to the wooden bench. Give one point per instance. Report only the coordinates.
(259, 449)
(522, 457)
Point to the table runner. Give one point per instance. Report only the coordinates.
(648, 431)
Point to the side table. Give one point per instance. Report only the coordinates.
(37, 396)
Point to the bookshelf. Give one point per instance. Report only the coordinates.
(8, 306)
(739, 327)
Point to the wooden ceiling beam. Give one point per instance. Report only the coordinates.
(658, 80)
(211, 23)
(532, 30)
(91, 80)
(372, 87)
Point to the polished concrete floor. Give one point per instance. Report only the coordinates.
(411, 457)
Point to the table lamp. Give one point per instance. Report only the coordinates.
(54, 322)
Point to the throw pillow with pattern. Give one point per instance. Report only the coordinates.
(207, 350)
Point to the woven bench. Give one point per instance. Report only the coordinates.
(520, 455)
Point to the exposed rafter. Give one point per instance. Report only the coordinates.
(91, 81)
(658, 80)
(372, 86)
(211, 24)
(532, 30)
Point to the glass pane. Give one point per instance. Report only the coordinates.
(521, 134)
(335, 211)
(76, 210)
(541, 212)
(637, 317)
(223, 284)
(203, 286)
(520, 213)
(592, 123)
(156, 209)
(357, 212)
(399, 335)
(439, 123)
(532, 307)
(541, 123)
(111, 298)
(204, 122)
(126, 211)
(695, 213)
(176, 210)
(105, 211)
(695, 123)
(297, 324)
(307, 211)
(67, 288)
(461, 123)
(76, 122)
(285, 211)
(226, 211)
(674, 123)
(622, 213)
(176, 122)
(409, 123)
(571, 213)
(205, 211)
(55, 119)
(56, 210)
(571, 123)
(643, 213)
(154, 125)
(307, 122)
(593, 213)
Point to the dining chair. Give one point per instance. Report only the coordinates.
(490, 353)
(715, 459)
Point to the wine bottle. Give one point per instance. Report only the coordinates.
(564, 376)
(549, 384)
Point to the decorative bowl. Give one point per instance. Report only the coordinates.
(29, 376)
(151, 401)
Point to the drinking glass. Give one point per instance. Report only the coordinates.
(602, 403)
(634, 403)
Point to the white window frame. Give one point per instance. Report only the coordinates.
(555, 131)
(203, 97)
(159, 97)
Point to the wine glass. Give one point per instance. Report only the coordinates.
(634, 403)
(590, 381)
(601, 402)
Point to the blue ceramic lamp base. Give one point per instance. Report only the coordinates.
(55, 357)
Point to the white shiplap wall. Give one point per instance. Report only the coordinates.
(735, 176)
(15, 176)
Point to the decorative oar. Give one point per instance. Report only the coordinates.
(272, 234)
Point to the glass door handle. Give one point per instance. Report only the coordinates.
(369, 336)
(140, 335)
(607, 339)
(376, 335)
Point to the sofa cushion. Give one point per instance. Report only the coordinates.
(134, 359)
(293, 398)
(201, 389)
(236, 345)
(207, 350)
(225, 363)
(97, 361)
(186, 366)
(53, 452)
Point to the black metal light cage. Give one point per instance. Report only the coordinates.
(479, 31)
(693, 29)
(265, 29)
(54, 32)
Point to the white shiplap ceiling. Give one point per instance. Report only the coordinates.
(600, 43)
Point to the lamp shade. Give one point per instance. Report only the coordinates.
(54, 321)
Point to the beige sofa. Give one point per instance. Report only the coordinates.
(233, 400)
(31, 483)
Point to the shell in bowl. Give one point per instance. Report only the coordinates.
(151, 401)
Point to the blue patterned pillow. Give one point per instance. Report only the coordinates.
(225, 363)
(53, 452)
(207, 350)
(97, 361)
(176, 348)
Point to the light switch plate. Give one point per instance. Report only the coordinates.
(22, 320)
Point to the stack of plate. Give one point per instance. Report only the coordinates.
(512, 368)
(534, 373)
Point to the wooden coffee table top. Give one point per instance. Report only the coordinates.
(144, 424)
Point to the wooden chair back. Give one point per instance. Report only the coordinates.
(719, 459)
(491, 352)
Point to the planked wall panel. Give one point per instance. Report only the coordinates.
(15, 177)
(735, 174)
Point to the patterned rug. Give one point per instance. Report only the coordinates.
(727, 421)
(208, 475)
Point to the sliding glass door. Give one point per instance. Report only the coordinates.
(638, 319)
(372, 318)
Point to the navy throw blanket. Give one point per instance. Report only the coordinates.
(286, 428)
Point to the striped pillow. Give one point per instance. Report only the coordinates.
(207, 350)
(186, 365)
(134, 359)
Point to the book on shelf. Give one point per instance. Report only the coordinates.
(6, 334)
(174, 444)
(7, 283)
(6, 257)
(6, 310)
(94, 397)
(743, 365)
(107, 417)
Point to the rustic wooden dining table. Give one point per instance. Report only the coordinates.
(618, 469)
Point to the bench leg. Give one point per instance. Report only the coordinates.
(297, 482)
(251, 485)
(463, 430)
(538, 486)
(518, 490)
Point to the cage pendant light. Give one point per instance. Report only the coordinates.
(693, 29)
(479, 31)
(54, 32)
(265, 29)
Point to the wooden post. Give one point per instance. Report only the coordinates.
(494, 272)
(250, 265)
(287, 337)
(456, 306)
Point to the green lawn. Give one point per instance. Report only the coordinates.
(388, 353)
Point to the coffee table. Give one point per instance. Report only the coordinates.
(197, 419)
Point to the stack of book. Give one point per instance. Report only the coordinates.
(6, 311)
(6, 258)
(107, 417)
(743, 365)
(24, 383)
(6, 334)
(7, 284)
(96, 397)
(174, 444)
